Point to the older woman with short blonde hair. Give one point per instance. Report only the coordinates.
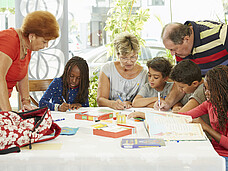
(120, 81)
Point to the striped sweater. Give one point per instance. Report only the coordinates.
(210, 46)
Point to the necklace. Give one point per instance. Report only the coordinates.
(22, 45)
(24, 50)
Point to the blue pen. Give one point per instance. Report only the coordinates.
(65, 101)
(121, 99)
(59, 119)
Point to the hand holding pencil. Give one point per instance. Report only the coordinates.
(119, 104)
(64, 106)
(159, 101)
(160, 106)
(121, 100)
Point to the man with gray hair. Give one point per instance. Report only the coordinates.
(203, 42)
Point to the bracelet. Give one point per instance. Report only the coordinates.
(56, 108)
(26, 99)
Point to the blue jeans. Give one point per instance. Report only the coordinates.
(226, 162)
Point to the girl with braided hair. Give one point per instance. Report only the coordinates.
(70, 91)
(216, 91)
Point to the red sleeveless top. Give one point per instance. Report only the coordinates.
(10, 45)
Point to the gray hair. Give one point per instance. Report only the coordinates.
(175, 32)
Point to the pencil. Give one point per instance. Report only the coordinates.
(64, 100)
(121, 100)
(159, 100)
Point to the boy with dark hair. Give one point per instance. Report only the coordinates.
(216, 90)
(158, 74)
(187, 77)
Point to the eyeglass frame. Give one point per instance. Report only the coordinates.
(133, 58)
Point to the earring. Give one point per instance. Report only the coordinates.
(30, 40)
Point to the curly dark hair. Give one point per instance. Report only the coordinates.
(84, 79)
(217, 80)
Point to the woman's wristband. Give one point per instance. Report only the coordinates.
(56, 108)
(25, 100)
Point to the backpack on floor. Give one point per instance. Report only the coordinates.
(25, 128)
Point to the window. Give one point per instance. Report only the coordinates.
(155, 2)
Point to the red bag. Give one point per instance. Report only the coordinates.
(20, 129)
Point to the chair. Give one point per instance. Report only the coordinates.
(36, 86)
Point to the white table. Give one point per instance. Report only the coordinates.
(86, 152)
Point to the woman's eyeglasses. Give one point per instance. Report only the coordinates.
(132, 58)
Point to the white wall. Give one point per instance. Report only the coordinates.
(182, 10)
(11, 21)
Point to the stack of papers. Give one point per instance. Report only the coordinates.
(169, 126)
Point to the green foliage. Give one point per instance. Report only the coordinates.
(168, 53)
(121, 19)
(225, 6)
(170, 57)
(93, 90)
(11, 10)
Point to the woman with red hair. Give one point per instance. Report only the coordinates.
(16, 46)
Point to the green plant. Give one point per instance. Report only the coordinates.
(170, 57)
(168, 53)
(93, 90)
(122, 17)
(11, 10)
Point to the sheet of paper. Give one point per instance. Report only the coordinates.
(171, 127)
(93, 111)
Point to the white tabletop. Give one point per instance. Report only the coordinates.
(84, 151)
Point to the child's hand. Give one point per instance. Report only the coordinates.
(164, 106)
(176, 109)
(201, 121)
(63, 107)
(136, 115)
(75, 106)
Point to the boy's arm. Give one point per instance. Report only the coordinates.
(151, 105)
(140, 101)
(192, 103)
(173, 97)
(177, 107)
